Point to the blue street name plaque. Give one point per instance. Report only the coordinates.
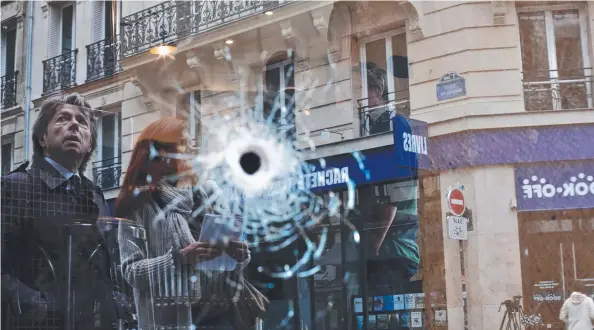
(451, 85)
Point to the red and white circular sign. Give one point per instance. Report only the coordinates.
(456, 202)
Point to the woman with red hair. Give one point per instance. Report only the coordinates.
(156, 194)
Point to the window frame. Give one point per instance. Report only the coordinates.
(61, 38)
(387, 37)
(552, 47)
(194, 112)
(281, 65)
(117, 135)
(10, 142)
(10, 25)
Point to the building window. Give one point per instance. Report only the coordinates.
(107, 169)
(61, 29)
(9, 72)
(194, 117)
(9, 29)
(6, 157)
(384, 72)
(279, 93)
(189, 110)
(555, 58)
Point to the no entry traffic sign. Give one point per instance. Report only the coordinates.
(456, 202)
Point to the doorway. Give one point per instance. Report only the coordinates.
(556, 252)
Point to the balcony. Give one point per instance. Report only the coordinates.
(59, 72)
(170, 21)
(107, 172)
(376, 117)
(557, 90)
(103, 59)
(9, 90)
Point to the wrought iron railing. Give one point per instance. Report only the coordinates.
(103, 58)
(9, 90)
(170, 21)
(59, 72)
(107, 172)
(558, 90)
(375, 114)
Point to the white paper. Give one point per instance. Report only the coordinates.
(215, 230)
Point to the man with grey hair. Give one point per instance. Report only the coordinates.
(49, 209)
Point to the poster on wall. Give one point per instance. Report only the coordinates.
(547, 291)
(398, 302)
(378, 303)
(358, 305)
(382, 321)
(416, 319)
(371, 321)
(404, 319)
(409, 301)
(360, 321)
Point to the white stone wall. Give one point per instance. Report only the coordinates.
(492, 252)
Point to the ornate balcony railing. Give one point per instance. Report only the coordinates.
(376, 115)
(59, 72)
(9, 90)
(557, 90)
(107, 172)
(170, 21)
(103, 58)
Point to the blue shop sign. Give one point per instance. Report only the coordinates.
(400, 161)
(379, 164)
(555, 186)
(410, 143)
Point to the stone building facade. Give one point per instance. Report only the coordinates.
(526, 107)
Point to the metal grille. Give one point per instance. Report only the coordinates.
(107, 172)
(376, 118)
(103, 58)
(9, 90)
(170, 21)
(557, 90)
(59, 72)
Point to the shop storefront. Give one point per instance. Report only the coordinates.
(376, 282)
(556, 226)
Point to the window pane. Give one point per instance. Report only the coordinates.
(400, 68)
(328, 284)
(10, 52)
(569, 59)
(108, 137)
(109, 26)
(67, 16)
(533, 40)
(535, 61)
(376, 116)
(6, 158)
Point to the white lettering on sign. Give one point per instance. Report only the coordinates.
(414, 143)
(457, 227)
(327, 177)
(579, 185)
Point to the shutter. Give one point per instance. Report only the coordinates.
(98, 21)
(55, 33)
(3, 54)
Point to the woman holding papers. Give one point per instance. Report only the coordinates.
(156, 193)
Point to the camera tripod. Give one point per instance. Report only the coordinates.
(513, 314)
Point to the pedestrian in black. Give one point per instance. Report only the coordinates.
(49, 209)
